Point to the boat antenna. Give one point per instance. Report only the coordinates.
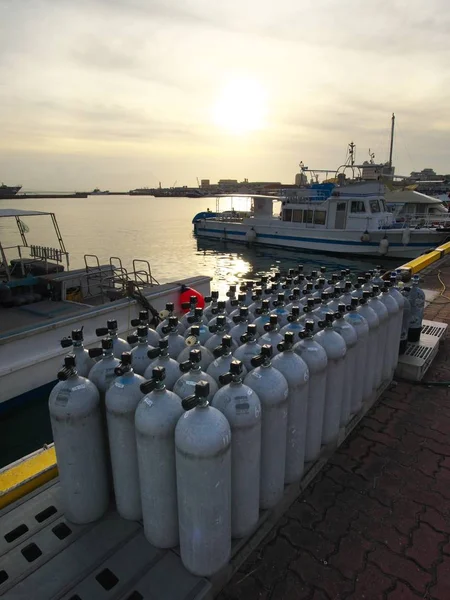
(392, 140)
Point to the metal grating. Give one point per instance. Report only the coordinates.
(418, 351)
(433, 328)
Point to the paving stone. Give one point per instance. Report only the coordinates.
(371, 584)
(292, 588)
(438, 520)
(306, 539)
(303, 512)
(315, 573)
(441, 591)
(351, 556)
(381, 531)
(402, 592)
(275, 559)
(400, 568)
(425, 546)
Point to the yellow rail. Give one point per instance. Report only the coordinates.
(27, 474)
(421, 262)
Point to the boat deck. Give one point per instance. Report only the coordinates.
(44, 556)
(22, 318)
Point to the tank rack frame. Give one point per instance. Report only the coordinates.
(414, 363)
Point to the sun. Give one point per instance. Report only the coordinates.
(241, 106)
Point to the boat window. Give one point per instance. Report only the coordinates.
(319, 217)
(357, 206)
(374, 206)
(384, 208)
(287, 214)
(297, 216)
(309, 216)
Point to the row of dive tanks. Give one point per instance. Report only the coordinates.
(195, 433)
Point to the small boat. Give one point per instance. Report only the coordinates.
(42, 300)
(99, 192)
(353, 220)
(9, 190)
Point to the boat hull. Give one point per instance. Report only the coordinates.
(30, 359)
(279, 234)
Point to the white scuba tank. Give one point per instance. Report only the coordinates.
(83, 361)
(156, 418)
(272, 335)
(80, 445)
(315, 357)
(212, 304)
(175, 342)
(272, 389)
(394, 332)
(350, 337)
(193, 343)
(203, 462)
(198, 320)
(165, 315)
(336, 350)
(218, 330)
(262, 317)
(384, 334)
(220, 311)
(249, 347)
(139, 354)
(119, 345)
(102, 373)
(242, 408)
(294, 323)
(372, 344)
(192, 374)
(153, 336)
(121, 401)
(160, 358)
(223, 358)
(296, 373)
(361, 328)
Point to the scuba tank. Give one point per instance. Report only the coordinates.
(347, 293)
(307, 293)
(321, 307)
(121, 401)
(384, 334)
(287, 288)
(175, 342)
(231, 297)
(193, 343)
(332, 283)
(139, 354)
(242, 320)
(249, 348)
(350, 337)
(367, 285)
(336, 350)
(257, 300)
(102, 373)
(416, 299)
(119, 345)
(247, 289)
(280, 310)
(296, 373)
(319, 287)
(83, 360)
(219, 329)
(263, 317)
(272, 389)
(166, 314)
(377, 279)
(198, 320)
(310, 315)
(357, 288)
(191, 305)
(294, 299)
(223, 358)
(203, 463)
(238, 304)
(221, 312)
(153, 336)
(405, 320)
(294, 323)
(335, 298)
(400, 299)
(393, 333)
(372, 344)
(160, 357)
(192, 374)
(80, 445)
(316, 360)
(155, 420)
(242, 408)
(272, 335)
(361, 327)
(210, 310)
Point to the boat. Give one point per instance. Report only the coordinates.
(9, 190)
(42, 300)
(410, 205)
(353, 220)
(98, 192)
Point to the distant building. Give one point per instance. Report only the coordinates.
(204, 183)
(372, 171)
(425, 175)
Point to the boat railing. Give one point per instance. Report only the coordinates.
(18, 260)
(425, 220)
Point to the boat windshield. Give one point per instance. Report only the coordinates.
(374, 206)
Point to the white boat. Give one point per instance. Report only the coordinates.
(406, 203)
(354, 220)
(41, 302)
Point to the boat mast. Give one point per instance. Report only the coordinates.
(392, 140)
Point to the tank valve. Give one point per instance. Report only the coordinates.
(197, 399)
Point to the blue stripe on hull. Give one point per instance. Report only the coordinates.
(313, 240)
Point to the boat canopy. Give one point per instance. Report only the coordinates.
(410, 196)
(15, 212)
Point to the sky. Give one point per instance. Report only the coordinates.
(119, 94)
